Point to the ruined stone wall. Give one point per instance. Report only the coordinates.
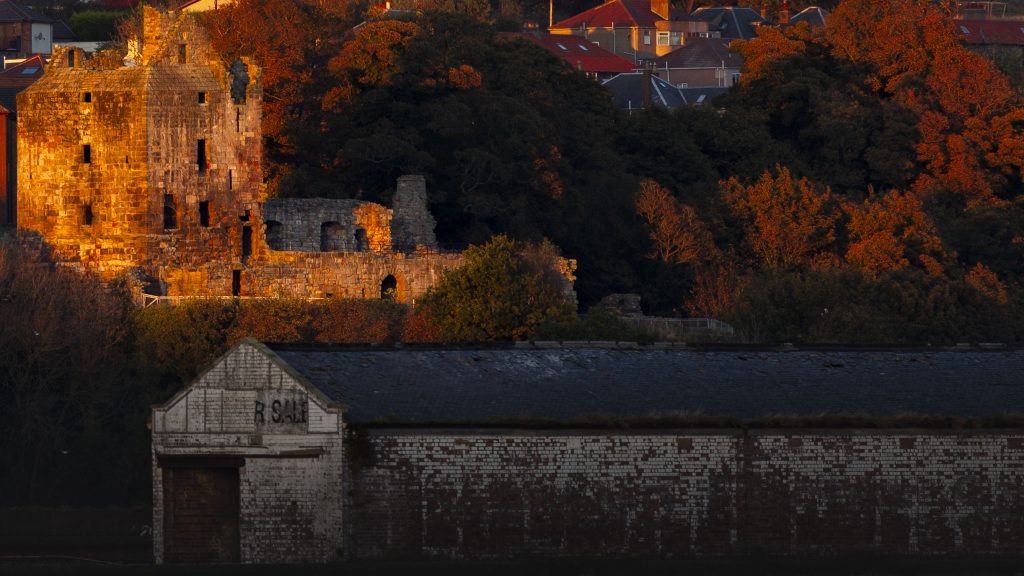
(515, 493)
(149, 162)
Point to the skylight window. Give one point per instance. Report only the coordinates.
(564, 49)
(964, 29)
(27, 71)
(700, 99)
(584, 48)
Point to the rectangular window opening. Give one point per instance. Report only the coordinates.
(204, 213)
(231, 180)
(182, 53)
(87, 97)
(201, 155)
(236, 283)
(71, 59)
(202, 97)
(87, 214)
(170, 213)
(86, 154)
(238, 120)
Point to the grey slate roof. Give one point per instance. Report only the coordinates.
(14, 12)
(439, 386)
(731, 21)
(628, 92)
(701, 53)
(813, 15)
(702, 96)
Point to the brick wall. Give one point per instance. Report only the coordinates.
(512, 493)
(289, 469)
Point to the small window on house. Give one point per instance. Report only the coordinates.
(676, 38)
(584, 48)
(204, 213)
(170, 213)
(202, 97)
(71, 59)
(201, 155)
(238, 120)
(662, 38)
(647, 38)
(563, 48)
(231, 180)
(182, 53)
(964, 29)
(236, 283)
(700, 99)
(87, 97)
(87, 215)
(86, 153)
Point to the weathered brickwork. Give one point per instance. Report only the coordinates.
(150, 163)
(286, 444)
(509, 493)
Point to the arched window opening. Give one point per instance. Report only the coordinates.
(389, 288)
(331, 237)
(275, 235)
(362, 242)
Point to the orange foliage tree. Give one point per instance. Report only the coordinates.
(887, 232)
(916, 58)
(789, 223)
(676, 231)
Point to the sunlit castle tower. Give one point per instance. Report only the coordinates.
(146, 160)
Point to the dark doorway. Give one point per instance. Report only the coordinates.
(236, 283)
(246, 243)
(389, 288)
(201, 508)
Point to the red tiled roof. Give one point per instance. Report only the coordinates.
(24, 73)
(580, 53)
(1009, 32)
(625, 13)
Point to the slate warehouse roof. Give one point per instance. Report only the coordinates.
(562, 384)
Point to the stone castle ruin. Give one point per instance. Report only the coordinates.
(148, 163)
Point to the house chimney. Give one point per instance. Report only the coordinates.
(784, 15)
(647, 85)
(660, 7)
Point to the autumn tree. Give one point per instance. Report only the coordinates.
(676, 232)
(69, 410)
(503, 291)
(789, 222)
(892, 231)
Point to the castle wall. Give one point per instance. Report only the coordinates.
(518, 493)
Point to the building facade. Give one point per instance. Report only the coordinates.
(292, 455)
(149, 163)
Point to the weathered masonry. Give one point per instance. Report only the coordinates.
(149, 163)
(314, 454)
